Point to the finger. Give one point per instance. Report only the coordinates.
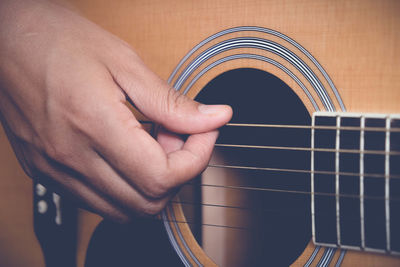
(132, 152)
(99, 188)
(169, 141)
(143, 162)
(112, 131)
(192, 158)
(71, 186)
(166, 106)
(118, 137)
(109, 183)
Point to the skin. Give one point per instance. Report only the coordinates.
(64, 84)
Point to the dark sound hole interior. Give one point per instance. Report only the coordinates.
(249, 212)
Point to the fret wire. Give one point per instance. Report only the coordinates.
(362, 219)
(256, 125)
(337, 186)
(371, 175)
(250, 188)
(387, 192)
(312, 181)
(375, 152)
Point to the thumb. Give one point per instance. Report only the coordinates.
(168, 107)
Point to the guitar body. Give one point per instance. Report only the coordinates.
(295, 59)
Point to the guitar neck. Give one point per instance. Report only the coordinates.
(355, 181)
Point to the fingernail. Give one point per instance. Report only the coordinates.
(210, 109)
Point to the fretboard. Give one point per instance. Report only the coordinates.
(355, 181)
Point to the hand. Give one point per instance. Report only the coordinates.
(64, 83)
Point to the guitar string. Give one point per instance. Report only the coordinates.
(249, 209)
(284, 170)
(205, 224)
(355, 151)
(294, 126)
(275, 190)
(254, 168)
(254, 210)
(285, 211)
(304, 149)
(316, 127)
(370, 175)
(233, 227)
(253, 229)
(374, 129)
(251, 188)
(292, 211)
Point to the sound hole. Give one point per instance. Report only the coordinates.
(250, 216)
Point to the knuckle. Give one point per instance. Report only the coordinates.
(57, 151)
(153, 208)
(90, 114)
(174, 100)
(156, 191)
(126, 53)
(158, 187)
(128, 63)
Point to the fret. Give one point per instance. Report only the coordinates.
(374, 209)
(325, 138)
(350, 185)
(325, 211)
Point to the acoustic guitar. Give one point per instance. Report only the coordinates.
(307, 173)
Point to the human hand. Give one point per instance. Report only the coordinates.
(64, 83)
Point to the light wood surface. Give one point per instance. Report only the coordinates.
(357, 42)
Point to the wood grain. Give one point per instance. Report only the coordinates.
(357, 42)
